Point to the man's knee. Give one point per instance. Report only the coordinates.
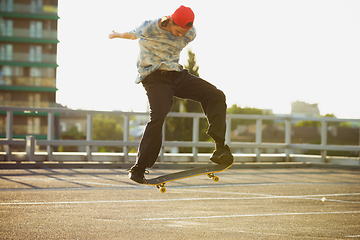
(221, 95)
(159, 114)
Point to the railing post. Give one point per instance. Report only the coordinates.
(126, 138)
(258, 139)
(30, 148)
(50, 135)
(323, 140)
(89, 135)
(195, 137)
(287, 139)
(9, 133)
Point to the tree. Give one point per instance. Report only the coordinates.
(192, 66)
(317, 123)
(192, 106)
(73, 133)
(234, 109)
(107, 127)
(180, 129)
(308, 124)
(186, 105)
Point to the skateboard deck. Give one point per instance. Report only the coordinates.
(208, 170)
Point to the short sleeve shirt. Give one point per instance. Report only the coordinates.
(159, 49)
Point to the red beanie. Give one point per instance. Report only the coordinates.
(183, 17)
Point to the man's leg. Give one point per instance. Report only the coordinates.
(160, 95)
(213, 102)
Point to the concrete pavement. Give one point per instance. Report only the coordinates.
(244, 204)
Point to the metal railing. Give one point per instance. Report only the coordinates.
(27, 33)
(39, 58)
(28, 8)
(10, 103)
(195, 144)
(27, 57)
(28, 81)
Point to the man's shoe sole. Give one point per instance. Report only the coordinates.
(226, 159)
(137, 180)
(223, 159)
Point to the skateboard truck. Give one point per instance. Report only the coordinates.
(161, 187)
(214, 178)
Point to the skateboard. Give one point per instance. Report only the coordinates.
(208, 170)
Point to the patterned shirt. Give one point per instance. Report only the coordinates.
(159, 49)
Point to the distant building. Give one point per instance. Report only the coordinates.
(28, 49)
(303, 109)
(68, 121)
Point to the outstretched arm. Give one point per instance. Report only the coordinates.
(125, 35)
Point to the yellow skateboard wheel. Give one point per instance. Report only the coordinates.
(163, 190)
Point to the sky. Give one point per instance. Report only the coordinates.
(260, 53)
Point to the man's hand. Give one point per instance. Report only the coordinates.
(113, 34)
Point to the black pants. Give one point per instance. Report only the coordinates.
(160, 88)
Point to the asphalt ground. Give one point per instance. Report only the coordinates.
(244, 204)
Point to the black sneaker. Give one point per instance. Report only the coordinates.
(222, 155)
(136, 174)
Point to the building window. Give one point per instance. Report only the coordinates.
(7, 71)
(34, 99)
(78, 126)
(7, 5)
(6, 26)
(6, 52)
(36, 6)
(62, 127)
(5, 98)
(48, 72)
(18, 71)
(35, 76)
(33, 125)
(36, 28)
(35, 72)
(35, 53)
(5, 75)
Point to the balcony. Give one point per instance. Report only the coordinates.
(42, 104)
(30, 60)
(26, 35)
(26, 129)
(28, 81)
(29, 11)
(43, 58)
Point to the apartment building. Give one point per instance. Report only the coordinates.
(28, 48)
(303, 109)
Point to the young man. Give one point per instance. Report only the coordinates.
(161, 41)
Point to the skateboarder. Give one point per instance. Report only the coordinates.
(161, 41)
